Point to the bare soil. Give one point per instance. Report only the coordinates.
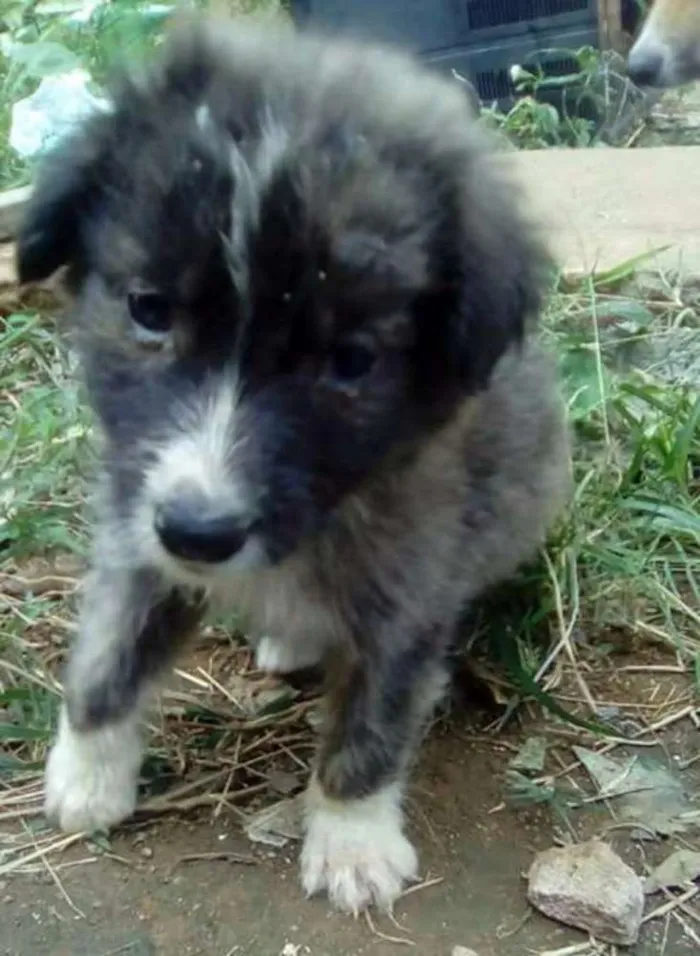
(145, 899)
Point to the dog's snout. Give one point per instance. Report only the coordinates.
(191, 532)
(645, 67)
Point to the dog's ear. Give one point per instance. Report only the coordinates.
(494, 272)
(65, 193)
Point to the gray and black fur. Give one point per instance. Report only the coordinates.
(305, 305)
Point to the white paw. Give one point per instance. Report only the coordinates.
(91, 778)
(356, 850)
(283, 657)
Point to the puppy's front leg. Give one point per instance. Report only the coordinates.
(130, 625)
(354, 845)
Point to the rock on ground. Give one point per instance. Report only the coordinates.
(589, 887)
(463, 951)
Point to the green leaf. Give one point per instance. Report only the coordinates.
(581, 372)
(530, 757)
(677, 871)
(10, 765)
(14, 732)
(632, 317)
(43, 58)
(684, 440)
(663, 517)
(628, 268)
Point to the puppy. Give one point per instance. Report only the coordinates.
(305, 304)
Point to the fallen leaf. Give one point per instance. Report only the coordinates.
(277, 824)
(283, 782)
(521, 789)
(645, 791)
(530, 757)
(257, 698)
(677, 870)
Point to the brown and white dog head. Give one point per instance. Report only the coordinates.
(667, 51)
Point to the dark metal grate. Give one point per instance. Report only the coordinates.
(493, 85)
(560, 67)
(494, 13)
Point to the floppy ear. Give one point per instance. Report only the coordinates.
(505, 278)
(65, 193)
(495, 274)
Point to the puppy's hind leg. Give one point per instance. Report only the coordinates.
(130, 626)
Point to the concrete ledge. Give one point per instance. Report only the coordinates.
(12, 203)
(604, 206)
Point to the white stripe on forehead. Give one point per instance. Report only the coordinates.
(252, 174)
(203, 118)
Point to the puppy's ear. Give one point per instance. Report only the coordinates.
(65, 193)
(496, 272)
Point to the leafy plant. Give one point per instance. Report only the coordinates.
(585, 106)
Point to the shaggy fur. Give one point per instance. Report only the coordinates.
(305, 304)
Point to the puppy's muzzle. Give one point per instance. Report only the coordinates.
(190, 531)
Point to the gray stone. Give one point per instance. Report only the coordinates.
(588, 886)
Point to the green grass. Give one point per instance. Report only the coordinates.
(633, 551)
(621, 572)
(41, 43)
(43, 434)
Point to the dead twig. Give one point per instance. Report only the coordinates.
(225, 855)
(398, 940)
(672, 904)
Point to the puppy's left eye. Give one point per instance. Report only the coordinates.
(351, 362)
(151, 313)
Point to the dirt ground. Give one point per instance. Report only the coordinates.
(146, 899)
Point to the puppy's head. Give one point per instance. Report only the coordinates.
(292, 259)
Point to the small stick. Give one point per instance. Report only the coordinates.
(225, 855)
(34, 811)
(565, 632)
(217, 685)
(683, 907)
(673, 904)
(160, 805)
(572, 950)
(422, 886)
(61, 888)
(39, 853)
(399, 940)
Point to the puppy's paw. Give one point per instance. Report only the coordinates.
(356, 850)
(91, 778)
(284, 657)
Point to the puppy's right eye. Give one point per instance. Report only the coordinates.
(151, 313)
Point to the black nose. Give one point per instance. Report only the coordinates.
(190, 531)
(645, 70)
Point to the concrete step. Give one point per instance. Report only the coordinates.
(604, 206)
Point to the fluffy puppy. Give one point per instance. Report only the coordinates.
(304, 304)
